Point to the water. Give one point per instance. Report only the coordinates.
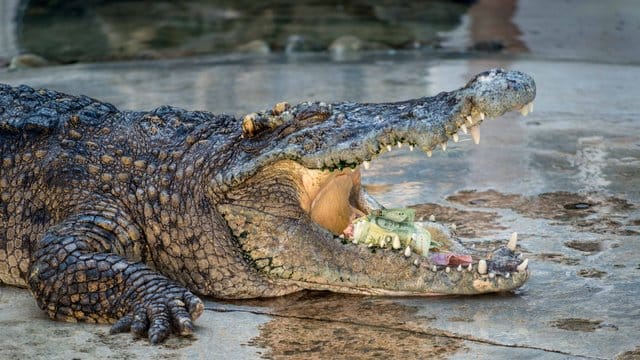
(107, 30)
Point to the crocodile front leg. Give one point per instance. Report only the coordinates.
(81, 271)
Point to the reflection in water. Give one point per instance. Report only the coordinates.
(327, 325)
(104, 30)
(492, 26)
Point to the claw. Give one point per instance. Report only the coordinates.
(122, 325)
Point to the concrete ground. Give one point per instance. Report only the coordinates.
(565, 177)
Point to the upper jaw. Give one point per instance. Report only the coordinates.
(353, 134)
(342, 135)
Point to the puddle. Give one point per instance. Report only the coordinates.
(557, 258)
(587, 213)
(468, 223)
(629, 355)
(586, 246)
(591, 273)
(326, 325)
(576, 324)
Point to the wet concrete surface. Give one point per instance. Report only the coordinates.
(565, 178)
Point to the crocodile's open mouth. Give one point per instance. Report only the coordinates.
(334, 198)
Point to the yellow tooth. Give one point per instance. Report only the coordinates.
(407, 251)
(475, 134)
(513, 241)
(395, 243)
(482, 267)
(469, 120)
(429, 153)
(432, 218)
(388, 147)
(464, 128)
(524, 110)
(523, 266)
(455, 138)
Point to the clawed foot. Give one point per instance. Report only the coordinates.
(160, 314)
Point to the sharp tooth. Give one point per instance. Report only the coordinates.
(482, 267)
(507, 275)
(355, 241)
(531, 107)
(454, 226)
(429, 153)
(399, 145)
(383, 243)
(469, 120)
(366, 165)
(434, 268)
(492, 275)
(511, 245)
(407, 252)
(388, 147)
(416, 262)
(459, 267)
(395, 243)
(448, 269)
(464, 128)
(455, 138)
(523, 266)
(410, 147)
(444, 146)
(481, 116)
(475, 134)
(470, 268)
(432, 218)
(524, 110)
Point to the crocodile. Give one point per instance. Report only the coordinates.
(128, 217)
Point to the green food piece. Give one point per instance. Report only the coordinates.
(398, 215)
(380, 227)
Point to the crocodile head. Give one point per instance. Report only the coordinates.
(293, 186)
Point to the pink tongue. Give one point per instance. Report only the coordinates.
(451, 259)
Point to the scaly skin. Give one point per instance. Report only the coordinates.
(120, 217)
